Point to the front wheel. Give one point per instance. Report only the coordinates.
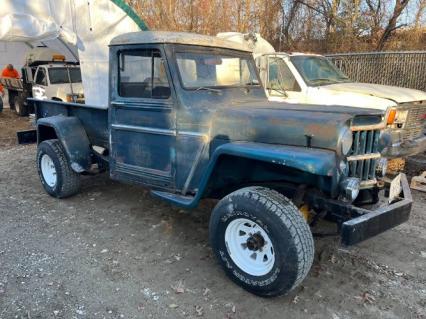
(56, 174)
(262, 241)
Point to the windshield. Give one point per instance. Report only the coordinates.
(280, 77)
(318, 71)
(60, 75)
(210, 70)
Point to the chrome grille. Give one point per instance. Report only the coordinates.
(364, 154)
(415, 124)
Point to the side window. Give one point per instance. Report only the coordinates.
(41, 77)
(280, 76)
(142, 74)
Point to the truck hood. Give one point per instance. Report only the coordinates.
(318, 126)
(63, 90)
(392, 93)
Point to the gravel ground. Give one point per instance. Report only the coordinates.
(113, 251)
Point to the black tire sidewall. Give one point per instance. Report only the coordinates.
(47, 148)
(283, 274)
(11, 98)
(20, 103)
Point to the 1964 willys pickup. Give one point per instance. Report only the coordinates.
(189, 119)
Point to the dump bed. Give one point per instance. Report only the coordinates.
(94, 119)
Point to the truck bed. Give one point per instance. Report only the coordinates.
(12, 84)
(94, 119)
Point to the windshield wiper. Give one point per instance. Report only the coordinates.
(204, 88)
(280, 91)
(323, 80)
(252, 83)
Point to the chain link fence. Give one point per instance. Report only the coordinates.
(404, 69)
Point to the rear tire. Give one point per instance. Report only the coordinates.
(262, 241)
(56, 174)
(11, 98)
(20, 108)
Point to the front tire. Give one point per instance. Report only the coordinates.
(262, 241)
(56, 174)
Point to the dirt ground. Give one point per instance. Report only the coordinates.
(113, 251)
(9, 125)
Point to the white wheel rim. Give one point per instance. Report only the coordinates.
(48, 170)
(240, 235)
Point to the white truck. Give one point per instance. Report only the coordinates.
(313, 79)
(45, 76)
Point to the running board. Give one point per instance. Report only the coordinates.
(176, 199)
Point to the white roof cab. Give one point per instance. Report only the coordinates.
(313, 79)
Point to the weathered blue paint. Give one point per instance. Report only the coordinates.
(93, 119)
(313, 161)
(73, 137)
(196, 143)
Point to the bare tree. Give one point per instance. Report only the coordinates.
(392, 23)
(306, 25)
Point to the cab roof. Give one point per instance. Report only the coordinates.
(145, 37)
(295, 54)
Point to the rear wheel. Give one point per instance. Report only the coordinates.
(11, 98)
(262, 241)
(20, 108)
(56, 174)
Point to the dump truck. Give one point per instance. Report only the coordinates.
(45, 75)
(179, 124)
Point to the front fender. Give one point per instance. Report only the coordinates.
(313, 161)
(72, 136)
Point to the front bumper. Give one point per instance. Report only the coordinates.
(357, 223)
(403, 149)
(372, 223)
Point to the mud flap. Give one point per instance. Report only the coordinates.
(27, 137)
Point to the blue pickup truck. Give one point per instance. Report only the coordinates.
(189, 119)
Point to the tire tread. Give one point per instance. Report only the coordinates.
(70, 179)
(294, 221)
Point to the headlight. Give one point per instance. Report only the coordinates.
(343, 166)
(397, 117)
(350, 188)
(381, 167)
(346, 141)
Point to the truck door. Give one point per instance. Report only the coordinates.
(142, 119)
(40, 84)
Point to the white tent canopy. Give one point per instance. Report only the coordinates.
(78, 28)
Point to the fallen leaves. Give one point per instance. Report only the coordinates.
(366, 298)
(179, 288)
(199, 311)
(333, 259)
(206, 291)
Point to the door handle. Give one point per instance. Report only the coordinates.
(118, 103)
